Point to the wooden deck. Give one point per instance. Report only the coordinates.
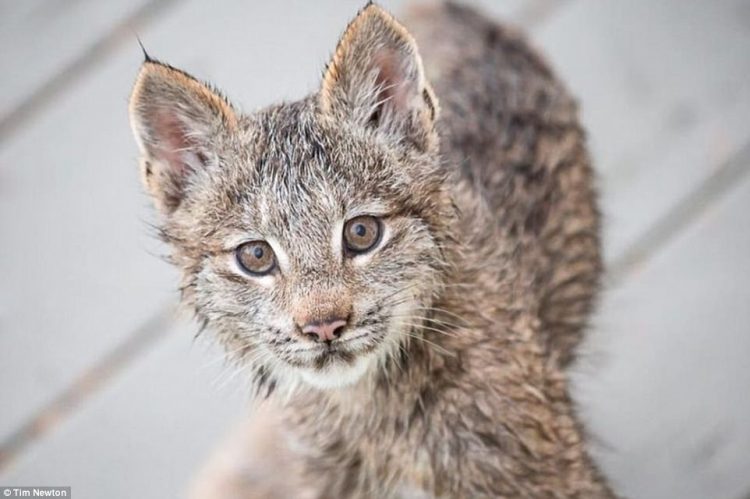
(103, 389)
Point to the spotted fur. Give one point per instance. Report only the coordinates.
(449, 378)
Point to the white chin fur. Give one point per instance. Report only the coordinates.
(337, 375)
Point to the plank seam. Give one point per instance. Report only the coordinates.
(24, 112)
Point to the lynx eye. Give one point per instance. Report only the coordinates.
(256, 257)
(361, 234)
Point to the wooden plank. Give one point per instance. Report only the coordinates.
(663, 90)
(144, 435)
(43, 37)
(663, 384)
(79, 271)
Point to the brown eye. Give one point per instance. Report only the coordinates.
(361, 234)
(256, 257)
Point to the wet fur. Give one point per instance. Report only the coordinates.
(494, 259)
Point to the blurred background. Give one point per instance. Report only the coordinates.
(104, 390)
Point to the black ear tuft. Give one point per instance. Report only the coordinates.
(146, 57)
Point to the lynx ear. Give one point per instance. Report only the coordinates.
(375, 79)
(175, 120)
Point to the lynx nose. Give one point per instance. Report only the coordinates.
(326, 330)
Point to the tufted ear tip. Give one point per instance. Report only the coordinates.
(160, 85)
(175, 120)
(375, 77)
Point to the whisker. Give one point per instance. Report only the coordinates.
(428, 319)
(225, 356)
(428, 328)
(434, 345)
(401, 290)
(442, 311)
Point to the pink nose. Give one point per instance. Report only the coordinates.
(326, 330)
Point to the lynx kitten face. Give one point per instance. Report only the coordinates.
(310, 235)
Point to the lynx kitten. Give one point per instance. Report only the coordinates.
(405, 260)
